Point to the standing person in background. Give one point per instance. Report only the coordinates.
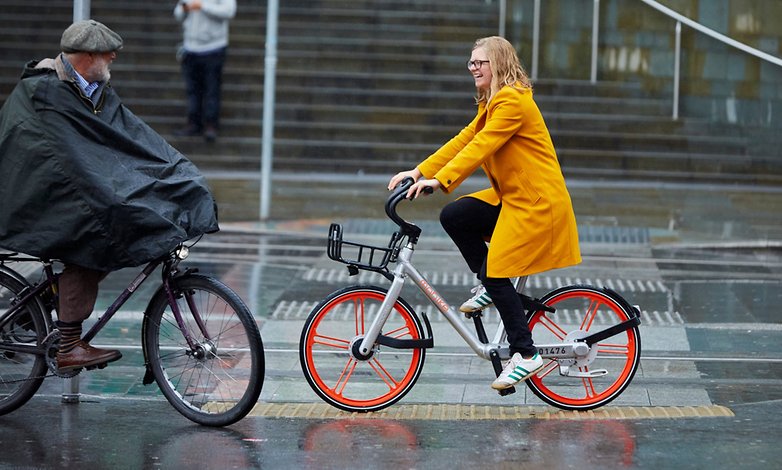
(527, 211)
(205, 27)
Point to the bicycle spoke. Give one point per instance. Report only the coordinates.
(359, 311)
(331, 342)
(344, 377)
(358, 385)
(552, 326)
(590, 316)
(383, 374)
(581, 309)
(613, 349)
(547, 369)
(400, 332)
(589, 386)
(209, 361)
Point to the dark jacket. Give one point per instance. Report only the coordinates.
(92, 185)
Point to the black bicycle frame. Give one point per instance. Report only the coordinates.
(30, 292)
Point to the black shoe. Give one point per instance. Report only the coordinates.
(210, 134)
(188, 131)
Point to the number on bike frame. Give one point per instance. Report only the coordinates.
(587, 310)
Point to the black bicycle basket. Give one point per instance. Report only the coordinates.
(362, 256)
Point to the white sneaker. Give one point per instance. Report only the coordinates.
(479, 301)
(517, 370)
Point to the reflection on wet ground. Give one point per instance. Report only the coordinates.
(113, 433)
(704, 264)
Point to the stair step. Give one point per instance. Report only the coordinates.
(382, 97)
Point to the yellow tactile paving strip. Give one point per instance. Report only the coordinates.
(445, 412)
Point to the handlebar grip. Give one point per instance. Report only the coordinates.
(400, 193)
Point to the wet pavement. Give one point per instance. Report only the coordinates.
(704, 262)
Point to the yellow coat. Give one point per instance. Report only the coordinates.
(536, 230)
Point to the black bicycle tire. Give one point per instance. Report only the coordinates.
(625, 306)
(254, 342)
(29, 386)
(305, 362)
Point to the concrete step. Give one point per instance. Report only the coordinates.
(379, 98)
(384, 157)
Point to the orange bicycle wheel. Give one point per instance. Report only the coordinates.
(607, 371)
(336, 370)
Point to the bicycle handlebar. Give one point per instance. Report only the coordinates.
(400, 193)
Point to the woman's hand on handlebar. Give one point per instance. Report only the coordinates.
(399, 177)
(425, 186)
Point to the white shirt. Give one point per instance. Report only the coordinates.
(206, 29)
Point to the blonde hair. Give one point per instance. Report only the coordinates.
(506, 69)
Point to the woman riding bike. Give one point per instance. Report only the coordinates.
(527, 211)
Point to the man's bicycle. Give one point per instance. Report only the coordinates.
(200, 342)
(363, 347)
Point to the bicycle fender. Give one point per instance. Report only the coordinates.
(632, 309)
(158, 296)
(47, 313)
(159, 293)
(409, 343)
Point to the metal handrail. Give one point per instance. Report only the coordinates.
(710, 32)
(707, 31)
(657, 6)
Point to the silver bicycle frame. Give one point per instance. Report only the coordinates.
(566, 350)
(403, 269)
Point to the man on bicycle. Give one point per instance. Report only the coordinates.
(88, 183)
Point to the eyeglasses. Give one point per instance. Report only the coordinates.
(476, 64)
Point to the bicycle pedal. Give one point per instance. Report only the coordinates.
(507, 391)
(473, 314)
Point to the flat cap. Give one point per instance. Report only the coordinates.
(89, 36)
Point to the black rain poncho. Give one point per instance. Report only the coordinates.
(95, 187)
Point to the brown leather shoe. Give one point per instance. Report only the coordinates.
(84, 355)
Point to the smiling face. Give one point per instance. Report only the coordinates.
(480, 68)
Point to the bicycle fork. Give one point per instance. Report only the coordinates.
(372, 336)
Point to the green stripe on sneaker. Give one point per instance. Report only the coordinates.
(520, 372)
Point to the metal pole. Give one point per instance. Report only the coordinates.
(595, 25)
(81, 10)
(535, 38)
(676, 67)
(70, 386)
(267, 137)
(503, 14)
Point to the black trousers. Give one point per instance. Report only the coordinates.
(469, 221)
(203, 75)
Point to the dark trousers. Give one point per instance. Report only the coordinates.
(78, 290)
(203, 75)
(469, 222)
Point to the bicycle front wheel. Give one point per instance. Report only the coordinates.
(21, 373)
(210, 366)
(331, 361)
(608, 370)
